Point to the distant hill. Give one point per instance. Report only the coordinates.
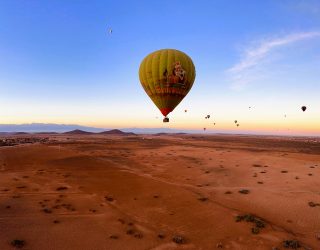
(45, 127)
(77, 132)
(6, 129)
(51, 128)
(161, 134)
(21, 133)
(46, 133)
(116, 132)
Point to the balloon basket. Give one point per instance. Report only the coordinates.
(166, 119)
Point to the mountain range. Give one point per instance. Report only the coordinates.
(63, 128)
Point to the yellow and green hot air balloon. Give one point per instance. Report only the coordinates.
(167, 76)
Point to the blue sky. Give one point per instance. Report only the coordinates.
(58, 63)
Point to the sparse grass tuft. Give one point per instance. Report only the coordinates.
(18, 243)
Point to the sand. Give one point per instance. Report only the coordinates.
(160, 192)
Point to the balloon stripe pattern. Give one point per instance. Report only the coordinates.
(167, 76)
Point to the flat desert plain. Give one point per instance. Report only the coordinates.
(160, 192)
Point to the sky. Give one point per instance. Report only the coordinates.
(59, 63)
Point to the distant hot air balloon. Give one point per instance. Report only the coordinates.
(214, 123)
(167, 76)
(204, 129)
(110, 31)
(237, 125)
(185, 111)
(304, 108)
(235, 121)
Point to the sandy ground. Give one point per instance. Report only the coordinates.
(140, 192)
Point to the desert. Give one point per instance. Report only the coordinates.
(165, 191)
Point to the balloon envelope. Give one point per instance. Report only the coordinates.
(304, 108)
(167, 76)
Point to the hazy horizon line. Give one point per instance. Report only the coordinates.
(145, 130)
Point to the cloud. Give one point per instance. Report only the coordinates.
(247, 70)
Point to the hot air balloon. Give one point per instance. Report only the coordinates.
(237, 125)
(304, 108)
(167, 76)
(185, 111)
(235, 121)
(204, 129)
